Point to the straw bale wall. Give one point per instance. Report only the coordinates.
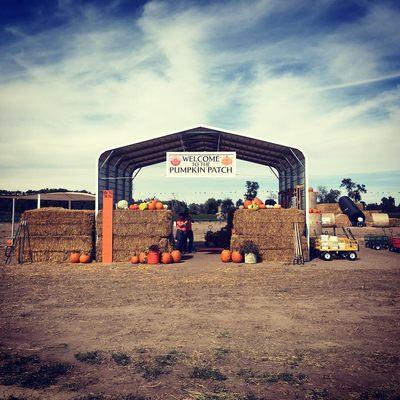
(271, 230)
(135, 231)
(56, 232)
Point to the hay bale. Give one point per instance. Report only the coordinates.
(125, 248)
(248, 222)
(328, 220)
(58, 216)
(380, 219)
(56, 232)
(139, 223)
(262, 242)
(135, 231)
(326, 208)
(394, 222)
(342, 220)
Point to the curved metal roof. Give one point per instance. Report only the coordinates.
(131, 157)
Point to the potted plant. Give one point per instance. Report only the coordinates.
(250, 251)
(153, 254)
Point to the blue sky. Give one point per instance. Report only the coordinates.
(78, 77)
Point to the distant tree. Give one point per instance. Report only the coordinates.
(178, 207)
(325, 196)
(239, 203)
(227, 205)
(211, 206)
(388, 204)
(372, 206)
(194, 208)
(353, 189)
(251, 190)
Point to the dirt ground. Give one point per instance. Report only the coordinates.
(202, 330)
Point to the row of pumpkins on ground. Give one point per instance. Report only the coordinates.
(256, 204)
(146, 205)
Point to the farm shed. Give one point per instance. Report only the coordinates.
(117, 167)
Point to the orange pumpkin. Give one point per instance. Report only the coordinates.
(84, 258)
(225, 255)
(159, 205)
(237, 256)
(247, 203)
(134, 207)
(152, 205)
(176, 256)
(142, 257)
(166, 258)
(134, 260)
(9, 242)
(74, 258)
(257, 201)
(262, 206)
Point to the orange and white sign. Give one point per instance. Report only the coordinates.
(201, 165)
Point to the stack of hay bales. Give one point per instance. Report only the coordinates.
(55, 233)
(135, 231)
(271, 230)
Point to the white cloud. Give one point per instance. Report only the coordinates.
(97, 82)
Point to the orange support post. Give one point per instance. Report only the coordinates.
(107, 245)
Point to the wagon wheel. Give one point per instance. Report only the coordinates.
(326, 256)
(352, 256)
(377, 247)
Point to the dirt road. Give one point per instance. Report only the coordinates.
(202, 330)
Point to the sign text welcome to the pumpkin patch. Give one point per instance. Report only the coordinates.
(201, 165)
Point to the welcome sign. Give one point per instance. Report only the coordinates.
(201, 164)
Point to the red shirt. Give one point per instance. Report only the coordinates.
(181, 224)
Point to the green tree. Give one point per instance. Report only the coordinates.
(325, 196)
(353, 189)
(211, 206)
(227, 205)
(251, 190)
(388, 204)
(194, 208)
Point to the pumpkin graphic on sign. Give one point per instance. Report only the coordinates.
(175, 160)
(226, 161)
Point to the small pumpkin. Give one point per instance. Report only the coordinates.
(134, 259)
(134, 207)
(159, 205)
(225, 255)
(237, 256)
(257, 201)
(277, 206)
(166, 258)
(176, 256)
(253, 207)
(74, 258)
(247, 203)
(84, 258)
(142, 257)
(152, 205)
(262, 205)
(9, 242)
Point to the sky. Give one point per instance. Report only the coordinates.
(78, 77)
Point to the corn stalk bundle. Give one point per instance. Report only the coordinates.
(56, 232)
